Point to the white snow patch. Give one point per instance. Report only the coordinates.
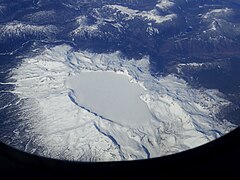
(124, 10)
(16, 29)
(193, 64)
(164, 4)
(152, 15)
(151, 30)
(181, 117)
(218, 13)
(84, 28)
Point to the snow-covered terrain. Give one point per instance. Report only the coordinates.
(152, 15)
(218, 13)
(41, 17)
(58, 127)
(120, 18)
(21, 30)
(164, 4)
(219, 23)
(84, 28)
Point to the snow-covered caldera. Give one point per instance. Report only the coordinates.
(132, 115)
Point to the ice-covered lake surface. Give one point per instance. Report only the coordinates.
(110, 95)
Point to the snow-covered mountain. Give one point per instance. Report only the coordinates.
(176, 62)
(18, 30)
(112, 20)
(181, 117)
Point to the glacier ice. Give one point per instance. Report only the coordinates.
(181, 117)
